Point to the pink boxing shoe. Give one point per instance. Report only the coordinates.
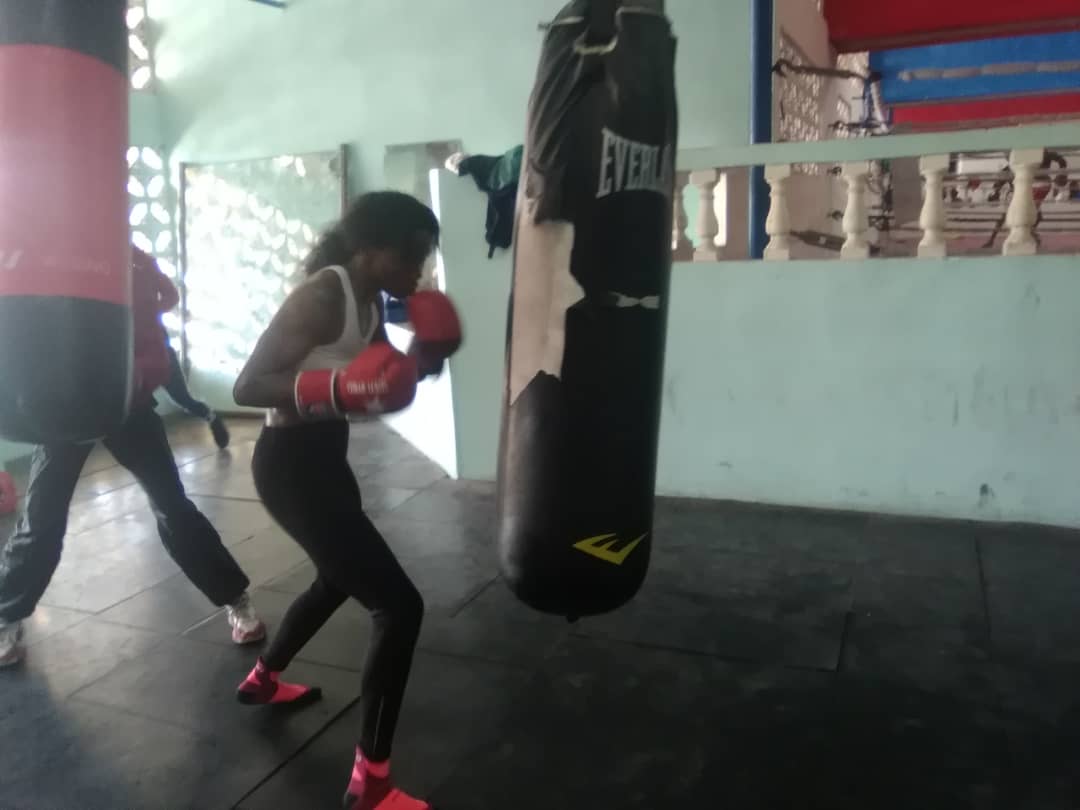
(370, 789)
(264, 688)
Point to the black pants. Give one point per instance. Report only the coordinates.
(304, 480)
(30, 558)
(178, 392)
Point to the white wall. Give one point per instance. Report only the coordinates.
(480, 287)
(428, 424)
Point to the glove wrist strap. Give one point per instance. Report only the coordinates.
(315, 394)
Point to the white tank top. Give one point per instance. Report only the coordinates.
(354, 338)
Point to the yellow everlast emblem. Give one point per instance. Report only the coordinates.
(601, 548)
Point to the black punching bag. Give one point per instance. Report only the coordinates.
(65, 316)
(588, 311)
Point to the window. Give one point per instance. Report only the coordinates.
(247, 226)
(800, 102)
(140, 62)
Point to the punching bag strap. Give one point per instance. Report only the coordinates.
(601, 36)
(617, 300)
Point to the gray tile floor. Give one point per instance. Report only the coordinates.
(774, 659)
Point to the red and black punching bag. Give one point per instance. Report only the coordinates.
(65, 315)
(588, 310)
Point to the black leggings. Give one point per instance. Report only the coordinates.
(31, 556)
(303, 478)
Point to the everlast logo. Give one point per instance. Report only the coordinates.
(627, 165)
(376, 387)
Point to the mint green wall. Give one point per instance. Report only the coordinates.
(942, 387)
(244, 79)
(241, 80)
(898, 385)
(144, 120)
(11, 451)
(894, 385)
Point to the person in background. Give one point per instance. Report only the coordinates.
(32, 554)
(323, 358)
(176, 385)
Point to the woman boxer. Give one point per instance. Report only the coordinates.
(324, 357)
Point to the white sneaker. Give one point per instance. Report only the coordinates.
(11, 648)
(247, 628)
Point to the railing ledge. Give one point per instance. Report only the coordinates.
(888, 146)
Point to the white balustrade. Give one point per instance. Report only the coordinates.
(954, 208)
(778, 223)
(1022, 213)
(707, 227)
(855, 222)
(681, 247)
(932, 217)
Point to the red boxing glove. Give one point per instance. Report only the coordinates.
(380, 380)
(436, 329)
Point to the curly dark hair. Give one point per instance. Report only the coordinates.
(378, 219)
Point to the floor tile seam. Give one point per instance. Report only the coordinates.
(416, 491)
(186, 633)
(83, 616)
(985, 593)
(926, 628)
(268, 586)
(296, 753)
(849, 619)
(726, 658)
(116, 464)
(470, 599)
(968, 581)
(135, 595)
(210, 453)
(508, 666)
(238, 541)
(170, 633)
(216, 496)
(97, 614)
(843, 594)
(160, 639)
(81, 699)
(469, 755)
(105, 522)
(425, 520)
(86, 498)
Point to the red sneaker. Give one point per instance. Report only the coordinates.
(263, 687)
(370, 789)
